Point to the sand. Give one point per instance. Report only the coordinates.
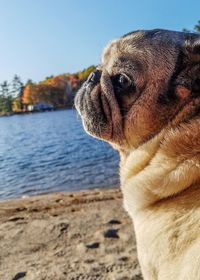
(83, 235)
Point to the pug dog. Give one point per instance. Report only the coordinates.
(144, 99)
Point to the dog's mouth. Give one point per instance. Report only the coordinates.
(101, 114)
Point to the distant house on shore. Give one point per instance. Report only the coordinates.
(41, 106)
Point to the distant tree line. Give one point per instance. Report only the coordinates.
(57, 91)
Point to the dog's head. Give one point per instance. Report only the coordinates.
(147, 80)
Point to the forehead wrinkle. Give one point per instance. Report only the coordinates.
(126, 49)
(132, 44)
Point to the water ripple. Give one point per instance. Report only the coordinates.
(47, 152)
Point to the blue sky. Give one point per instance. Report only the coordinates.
(44, 37)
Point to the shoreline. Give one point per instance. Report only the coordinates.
(76, 235)
(10, 114)
(27, 196)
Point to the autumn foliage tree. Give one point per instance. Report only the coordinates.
(53, 91)
(58, 91)
(29, 94)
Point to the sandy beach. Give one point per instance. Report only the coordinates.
(67, 236)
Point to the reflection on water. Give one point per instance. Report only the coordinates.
(46, 152)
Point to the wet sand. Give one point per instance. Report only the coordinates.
(67, 236)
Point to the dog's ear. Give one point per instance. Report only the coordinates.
(192, 49)
(189, 78)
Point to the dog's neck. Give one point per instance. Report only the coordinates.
(162, 167)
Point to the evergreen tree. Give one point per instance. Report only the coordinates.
(197, 27)
(29, 82)
(4, 89)
(17, 86)
(5, 98)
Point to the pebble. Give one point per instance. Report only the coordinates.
(94, 245)
(19, 275)
(111, 233)
(114, 222)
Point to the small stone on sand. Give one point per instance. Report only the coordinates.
(111, 233)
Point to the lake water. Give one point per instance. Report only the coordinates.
(47, 152)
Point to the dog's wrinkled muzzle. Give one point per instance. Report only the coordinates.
(98, 107)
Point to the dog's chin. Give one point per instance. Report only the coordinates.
(103, 131)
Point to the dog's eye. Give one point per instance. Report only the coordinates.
(122, 82)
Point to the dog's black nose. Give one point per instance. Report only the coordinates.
(94, 77)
